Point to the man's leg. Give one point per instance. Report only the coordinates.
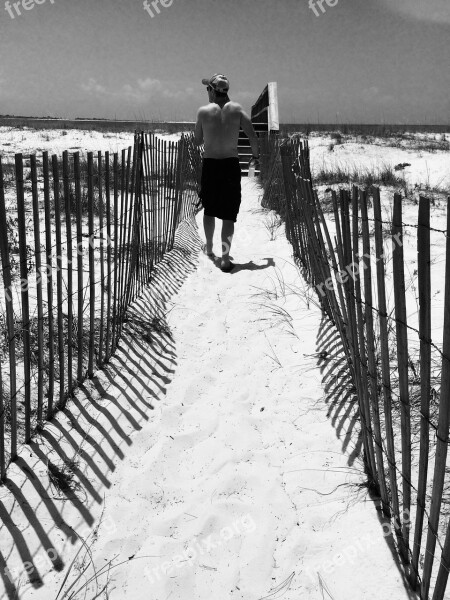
(209, 224)
(227, 238)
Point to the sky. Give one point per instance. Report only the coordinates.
(353, 61)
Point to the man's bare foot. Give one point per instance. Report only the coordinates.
(226, 266)
(208, 252)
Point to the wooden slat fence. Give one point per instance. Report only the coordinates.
(401, 375)
(79, 239)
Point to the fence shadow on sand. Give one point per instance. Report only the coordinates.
(91, 434)
(342, 402)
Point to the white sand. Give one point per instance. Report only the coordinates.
(428, 169)
(223, 469)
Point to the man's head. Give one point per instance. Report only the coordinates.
(217, 86)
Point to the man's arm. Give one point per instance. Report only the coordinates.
(248, 129)
(198, 133)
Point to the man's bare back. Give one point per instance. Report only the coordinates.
(218, 128)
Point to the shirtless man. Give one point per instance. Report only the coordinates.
(217, 127)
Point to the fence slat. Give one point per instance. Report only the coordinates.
(59, 281)
(2, 417)
(80, 267)
(116, 251)
(48, 251)
(127, 221)
(160, 170)
(25, 321)
(360, 339)
(402, 364)
(444, 567)
(146, 200)
(108, 256)
(69, 252)
(341, 262)
(178, 192)
(127, 228)
(102, 259)
(7, 283)
(441, 451)
(352, 323)
(371, 357)
(39, 295)
(385, 367)
(90, 198)
(340, 307)
(424, 284)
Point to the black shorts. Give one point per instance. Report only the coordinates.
(220, 191)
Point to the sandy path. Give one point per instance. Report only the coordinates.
(241, 480)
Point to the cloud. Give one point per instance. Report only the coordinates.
(141, 91)
(93, 87)
(436, 11)
(374, 95)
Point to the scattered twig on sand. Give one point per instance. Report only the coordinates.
(66, 595)
(281, 589)
(275, 358)
(324, 588)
